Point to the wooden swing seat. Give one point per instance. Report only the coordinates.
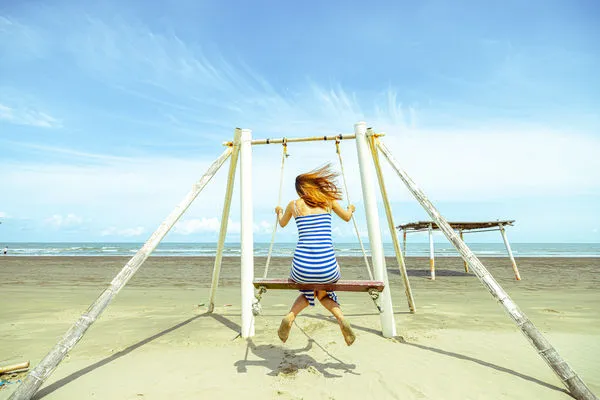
(340, 286)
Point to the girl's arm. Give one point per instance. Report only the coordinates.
(346, 215)
(286, 215)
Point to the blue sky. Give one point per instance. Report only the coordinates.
(110, 112)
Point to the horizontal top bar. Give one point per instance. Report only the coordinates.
(341, 136)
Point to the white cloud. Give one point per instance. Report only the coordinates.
(127, 232)
(213, 225)
(3, 214)
(263, 227)
(64, 222)
(191, 226)
(28, 116)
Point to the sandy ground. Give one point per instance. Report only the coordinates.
(155, 341)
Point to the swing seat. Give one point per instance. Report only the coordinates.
(340, 286)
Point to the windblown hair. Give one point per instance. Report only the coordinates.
(318, 187)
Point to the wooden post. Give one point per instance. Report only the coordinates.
(404, 242)
(570, 379)
(246, 235)
(431, 258)
(388, 325)
(510, 254)
(465, 261)
(42, 371)
(224, 218)
(391, 226)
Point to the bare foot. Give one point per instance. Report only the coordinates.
(285, 327)
(349, 336)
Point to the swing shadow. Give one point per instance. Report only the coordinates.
(84, 371)
(400, 339)
(288, 362)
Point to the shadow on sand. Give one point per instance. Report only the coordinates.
(78, 374)
(400, 339)
(287, 362)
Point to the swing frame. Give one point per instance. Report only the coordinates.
(368, 160)
(241, 146)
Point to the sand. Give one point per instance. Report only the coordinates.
(155, 341)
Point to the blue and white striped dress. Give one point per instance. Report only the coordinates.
(314, 258)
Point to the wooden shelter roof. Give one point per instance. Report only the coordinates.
(464, 226)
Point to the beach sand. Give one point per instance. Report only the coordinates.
(155, 340)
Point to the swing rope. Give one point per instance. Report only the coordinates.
(373, 293)
(362, 247)
(284, 155)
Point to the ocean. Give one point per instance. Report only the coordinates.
(287, 249)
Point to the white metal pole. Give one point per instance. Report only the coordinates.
(246, 236)
(510, 253)
(388, 325)
(431, 259)
(224, 218)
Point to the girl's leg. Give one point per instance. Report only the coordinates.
(286, 323)
(334, 308)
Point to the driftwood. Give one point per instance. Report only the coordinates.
(570, 379)
(42, 371)
(14, 367)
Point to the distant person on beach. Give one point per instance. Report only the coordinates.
(314, 258)
(6, 250)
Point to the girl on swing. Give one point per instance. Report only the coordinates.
(314, 258)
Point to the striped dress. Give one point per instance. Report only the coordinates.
(314, 258)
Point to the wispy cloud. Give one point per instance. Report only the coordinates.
(64, 221)
(126, 232)
(28, 116)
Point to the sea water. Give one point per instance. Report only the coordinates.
(287, 249)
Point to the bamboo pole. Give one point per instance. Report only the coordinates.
(224, 219)
(431, 251)
(561, 368)
(388, 325)
(510, 253)
(42, 371)
(246, 234)
(391, 225)
(465, 261)
(14, 367)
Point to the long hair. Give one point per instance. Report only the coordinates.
(318, 187)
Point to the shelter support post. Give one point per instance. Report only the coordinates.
(246, 234)
(404, 242)
(465, 261)
(561, 368)
(510, 253)
(44, 369)
(431, 253)
(390, 220)
(224, 218)
(388, 325)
